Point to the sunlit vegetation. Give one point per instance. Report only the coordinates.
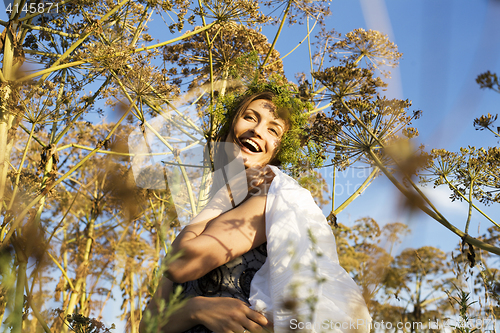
(77, 233)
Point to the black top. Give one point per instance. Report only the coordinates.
(229, 280)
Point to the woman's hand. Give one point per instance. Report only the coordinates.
(227, 315)
(259, 179)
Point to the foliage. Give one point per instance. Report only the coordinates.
(411, 286)
(297, 152)
(78, 234)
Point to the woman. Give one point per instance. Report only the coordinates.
(221, 252)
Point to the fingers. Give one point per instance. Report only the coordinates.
(257, 319)
(251, 320)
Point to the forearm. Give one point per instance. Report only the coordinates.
(182, 319)
(204, 247)
(195, 228)
(179, 321)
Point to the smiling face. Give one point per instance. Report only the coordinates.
(257, 132)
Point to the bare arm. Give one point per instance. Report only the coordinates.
(219, 314)
(184, 319)
(209, 245)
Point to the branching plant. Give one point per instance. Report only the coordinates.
(80, 78)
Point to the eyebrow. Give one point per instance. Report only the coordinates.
(273, 122)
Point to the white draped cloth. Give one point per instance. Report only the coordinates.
(301, 284)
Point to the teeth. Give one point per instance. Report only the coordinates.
(253, 144)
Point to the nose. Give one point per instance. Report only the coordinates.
(258, 129)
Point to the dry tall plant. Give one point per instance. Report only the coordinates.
(75, 225)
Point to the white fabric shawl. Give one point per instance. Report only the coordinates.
(297, 268)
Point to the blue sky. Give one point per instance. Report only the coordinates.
(445, 45)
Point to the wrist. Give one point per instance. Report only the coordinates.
(194, 306)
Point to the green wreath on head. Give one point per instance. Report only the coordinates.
(298, 151)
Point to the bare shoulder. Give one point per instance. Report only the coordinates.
(224, 238)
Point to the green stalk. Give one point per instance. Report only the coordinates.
(63, 271)
(65, 265)
(356, 193)
(211, 62)
(57, 182)
(6, 117)
(277, 34)
(89, 102)
(47, 71)
(469, 214)
(14, 15)
(443, 221)
(310, 53)
(192, 33)
(36, 313)
(415, 187)
(17, 313)
(300, 43)
(492, 131)
(109, 152)
(473, 205)
(83, 38)
(133, 325)
(18, 173)
(319, 109)
(333, 187)
(46, 54)
(81, 282)
(140, 28)
(27, 131)
(358, 59)
(52, 31)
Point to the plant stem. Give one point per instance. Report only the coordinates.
(47, 71)
(211, 63)
(18, 173)
(415, 187)
(88, 103)
(52, 31)
(358, 192)
(300, 43)
(334, 176)
(63, 271)
(17, 313)
(443, 221)
(473, 205)
(36, 313)
(492, 131)
(132, 304)
(469, 214)
(189, 34)
(57, 182)
(277, 34)
(83, 38)
(140, 27)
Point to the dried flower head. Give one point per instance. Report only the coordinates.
(372, 46)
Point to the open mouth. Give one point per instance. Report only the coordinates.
(250, 145)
